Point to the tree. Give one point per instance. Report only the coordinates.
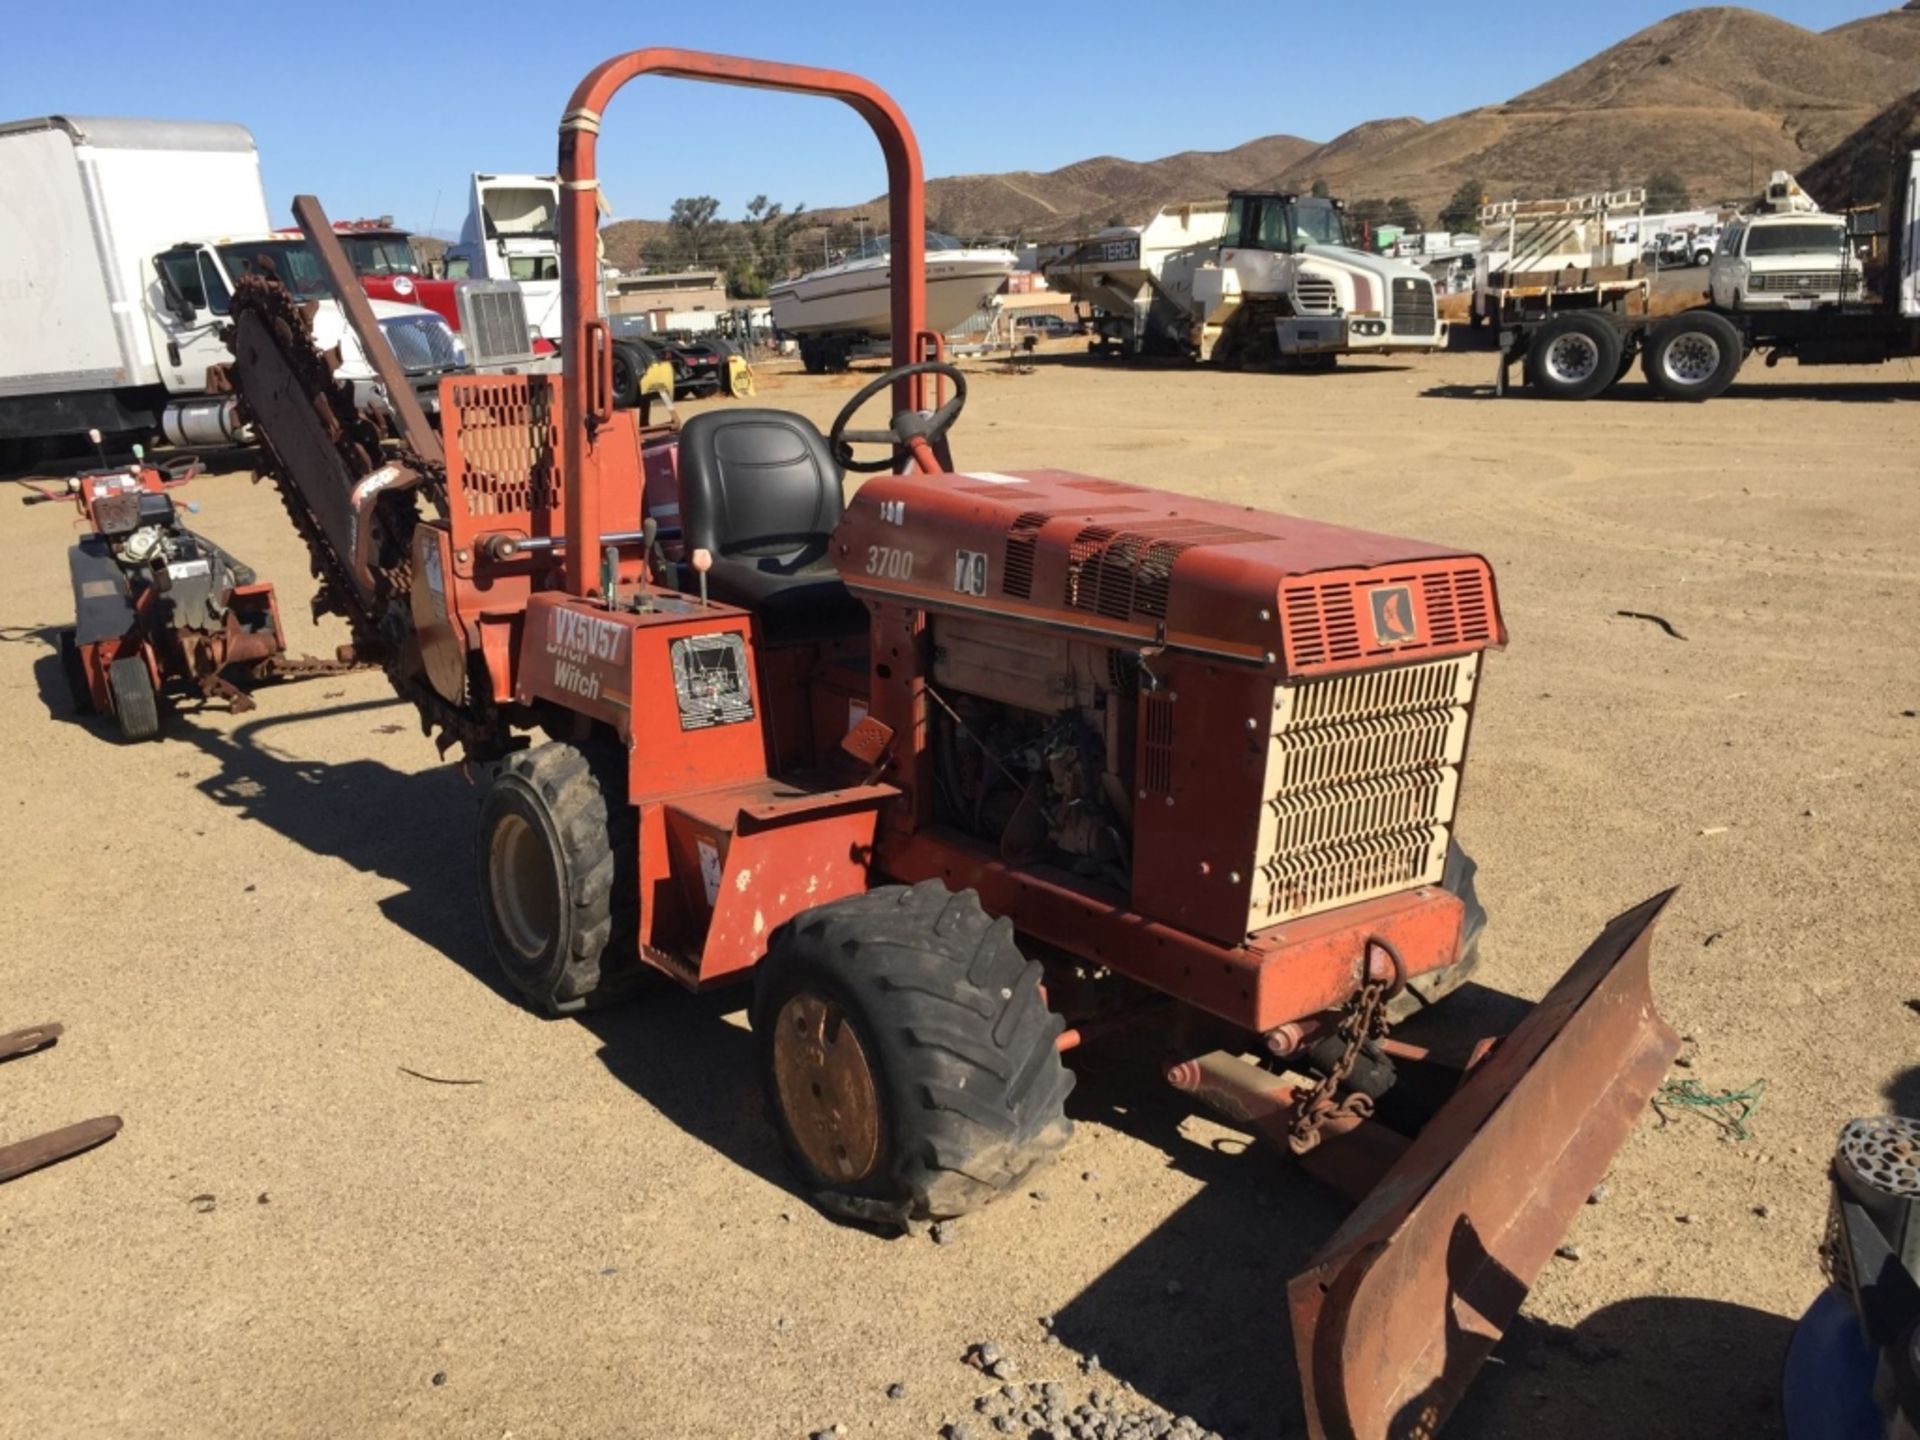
(1321, 190)
(766, 254)
(1401, 212)
(1462, 212)
(1666, 192)
(692, 219)
(1372, 211)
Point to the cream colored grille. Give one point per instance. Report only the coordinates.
(1362, 774)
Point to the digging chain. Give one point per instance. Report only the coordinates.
(1363, 1020)
(381, 628)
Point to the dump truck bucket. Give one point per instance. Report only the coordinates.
(1394, 1315)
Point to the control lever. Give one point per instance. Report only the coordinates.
(649, 533)
(702, 562)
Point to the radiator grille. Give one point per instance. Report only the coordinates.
(502, 444)
(493, 319)
(421, 342)
(1413, 309)
(1323, 615)
(1315, 295)
(1362, 774)
(1816, 281)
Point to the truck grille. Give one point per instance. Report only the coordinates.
(493, 318)
(1315, 295)
(1413, 311)
(1815, 281)
(422, 342)
(1362, 774)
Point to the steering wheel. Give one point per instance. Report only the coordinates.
(907, 426)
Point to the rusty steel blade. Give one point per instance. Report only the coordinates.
(24, 1155)
(1394, 1315)
(25, 1042)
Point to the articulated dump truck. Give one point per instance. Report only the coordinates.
(969, 771)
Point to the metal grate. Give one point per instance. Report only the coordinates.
(1413, 308)
(1315, 295)
(1814, 280)
(1016, 575)
(1126, 573)
(502, 437)
(1156, 743)
(1323, 616)
(493, 321)
(421, 342)
(1362, 774)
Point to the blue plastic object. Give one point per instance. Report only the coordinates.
(1826, 1389)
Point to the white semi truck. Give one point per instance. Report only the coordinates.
(120, 241)
(1262, 278)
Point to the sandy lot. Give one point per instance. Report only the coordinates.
(250, 926)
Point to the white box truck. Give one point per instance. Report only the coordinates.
(120, 241)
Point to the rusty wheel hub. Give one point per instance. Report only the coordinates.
(827, 1090)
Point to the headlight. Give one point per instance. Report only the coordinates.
(423, 342)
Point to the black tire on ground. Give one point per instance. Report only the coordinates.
(626, 378)
(75, 674)
(558, 875)
(1694, 355)
(1574, 356)
(919, 992)
(1425, 991)
(135, 705)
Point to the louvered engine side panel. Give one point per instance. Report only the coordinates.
(1362, 775)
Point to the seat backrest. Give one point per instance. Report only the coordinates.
(757, 483)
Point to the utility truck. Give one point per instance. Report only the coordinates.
(1262, 278)
(122, 241)
(1538, 256)
(1822, 289)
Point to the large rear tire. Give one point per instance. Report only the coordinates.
(558, 876)
(1694, 355)
(908, 1054)
(1574, 356)
(135, 706)
(626, 378)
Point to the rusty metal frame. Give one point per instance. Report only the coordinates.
(581, 411)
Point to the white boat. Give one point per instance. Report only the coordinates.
(855, 297)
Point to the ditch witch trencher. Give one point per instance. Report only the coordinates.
(969, 770)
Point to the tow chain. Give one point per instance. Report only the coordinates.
(1363, 1020)
(384, 628)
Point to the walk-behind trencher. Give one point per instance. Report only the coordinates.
(969, 770)
(157, 607)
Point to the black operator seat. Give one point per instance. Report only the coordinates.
(760, 492)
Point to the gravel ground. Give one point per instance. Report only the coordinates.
(251, 926)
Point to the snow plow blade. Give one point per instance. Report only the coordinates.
(1394, 1315)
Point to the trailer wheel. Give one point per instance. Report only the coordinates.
(74, 672)
(626, 379)
(558, 876)
(1693, 355)
(1574, 356)
(135, 705)
(908, 1055)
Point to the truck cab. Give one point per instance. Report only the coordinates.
(512, 232)
(192, 288)
(1785, 261)
(1285, 262)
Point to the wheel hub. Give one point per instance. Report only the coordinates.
(1692, 358)
(526, 892)
(1572, 358)
(827, 1091)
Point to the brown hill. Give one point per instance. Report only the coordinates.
(1854, 172)
(1720, 96)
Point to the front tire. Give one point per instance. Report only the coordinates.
(1574, 356)
(1694, 355)
(135, 705)
(558, 876)
(908, 1056)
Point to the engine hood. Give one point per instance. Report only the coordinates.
(330, 328)
(1382, 267)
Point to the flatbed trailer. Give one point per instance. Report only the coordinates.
(1697, 353)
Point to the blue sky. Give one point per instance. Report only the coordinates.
(386, 110)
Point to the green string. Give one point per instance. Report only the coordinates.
(1729, 1109)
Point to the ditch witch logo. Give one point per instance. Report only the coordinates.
(1393, 622)
(575, 641)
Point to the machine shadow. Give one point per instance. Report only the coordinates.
(1634, 393)
(1903, 1091)
(678, 1052)
(48, 681)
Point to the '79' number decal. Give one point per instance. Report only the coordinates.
(890, 562)
(969, 572)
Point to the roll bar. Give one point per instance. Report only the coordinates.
(586, 355)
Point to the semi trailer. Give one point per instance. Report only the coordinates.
(1822, 289)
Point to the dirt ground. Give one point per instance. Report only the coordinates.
(251, 926)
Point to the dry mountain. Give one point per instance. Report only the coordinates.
(1721, 96)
